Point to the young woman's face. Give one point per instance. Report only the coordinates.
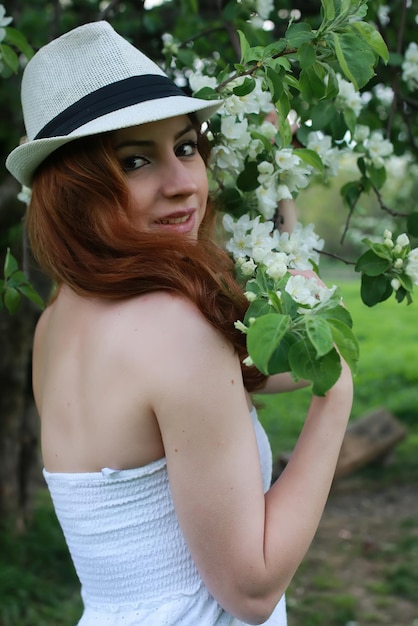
(166, 175)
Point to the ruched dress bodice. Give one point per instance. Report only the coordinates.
(128, 549)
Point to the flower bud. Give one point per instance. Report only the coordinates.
(398, 264)
(395, 284)
(240, 326)
(402, 240)
(250, 295)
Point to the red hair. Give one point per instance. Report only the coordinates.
(80, 235)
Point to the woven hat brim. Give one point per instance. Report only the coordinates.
(26, 158)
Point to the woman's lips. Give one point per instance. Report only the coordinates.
(174, 220)
(181, 222)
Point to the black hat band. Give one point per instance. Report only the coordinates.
(107, 99)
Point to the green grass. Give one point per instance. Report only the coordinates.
(38, 586)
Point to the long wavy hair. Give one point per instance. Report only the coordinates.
(80, 235)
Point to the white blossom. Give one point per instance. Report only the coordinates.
(250, 295)
(268, 130)
(264, 8)
(378, 148)
(267, 198)
(255, 148)
(296, 178)
(383, 13)
(265, 173)
(227, 159)
(170, 46)
(240, 326)
(286, 159)
(402, 240)
(276, 264)
(348, 97)
(233, 105)
(410, 66)
(236, 131)
(395, 284)
(322, 145)
(384, 94)
(361, 133)
(412, 265)
(198, 81)
(248, 267)
(25, 195)
(308, 291)
(283, 193)
(4, 21)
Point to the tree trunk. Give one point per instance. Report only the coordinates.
(19, 464)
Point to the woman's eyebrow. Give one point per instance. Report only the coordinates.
(151, 142)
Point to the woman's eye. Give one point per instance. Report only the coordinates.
(133, 162)
(188, 148)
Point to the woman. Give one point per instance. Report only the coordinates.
(157, 465)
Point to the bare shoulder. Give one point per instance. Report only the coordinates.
(170, 320)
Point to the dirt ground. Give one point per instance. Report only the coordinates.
(366, 547)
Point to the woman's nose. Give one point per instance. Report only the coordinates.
(178, 179)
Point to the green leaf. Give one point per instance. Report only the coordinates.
(230, 199)
(355, 59)
(299, 33)
(332, 85)
(311, 86)
(11, 299)
(375, 289)
(264, 337)
(258, 308)
(289, 306)
(17, 39)
(9, 56)
(323, 372)
(372, 264)
(406, 282)
(328, 9)
(245, 88)
(351, 192)
(346, 342)
(30, 292)
(10, 264)
(247, 180)
(306, 56)
(310, 157)
(274, 83)
(373, 38)
(186, 56)
(377, 175)
(339, 313)
(412, 224)
(319, 334)
(350, 119)
(244, 45)
(206, 93)
(275, 48)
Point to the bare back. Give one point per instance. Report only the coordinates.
(94, 408)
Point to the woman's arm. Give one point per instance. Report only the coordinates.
(246, 545)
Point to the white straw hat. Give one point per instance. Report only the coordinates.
(89, 81)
